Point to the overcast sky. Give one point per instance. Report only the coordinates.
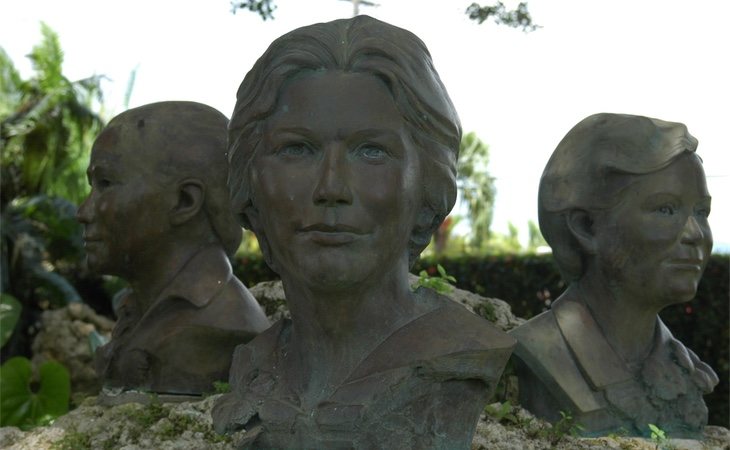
(520, 92)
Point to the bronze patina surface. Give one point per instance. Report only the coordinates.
(159, 216)
(343, 147)
(623, 202)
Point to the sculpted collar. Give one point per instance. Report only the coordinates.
(599, 362)
(189, 285)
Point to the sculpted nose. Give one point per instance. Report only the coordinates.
(692, 232)
(333, 187)
(85, 212)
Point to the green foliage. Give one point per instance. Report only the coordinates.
(565, 426)
(500, 244)
(173, 426)
(41, 245)
(10, 309)
(73, 440)
(502, 412)
(487, 311)
(221, 387)
(556, 432)
(657, 434)
(444, 244)
(476, 187)
(535, 240)
(528, 282)
(264, 8)
(24, 404)
(440, 283)
(517, 18)
(150, 414)
(47, 125)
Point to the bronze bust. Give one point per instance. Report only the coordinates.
(623, 202)
(343, 145)
(159, 216)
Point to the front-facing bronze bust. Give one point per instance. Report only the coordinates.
(159, 216)
(343, 145)
(624, 203)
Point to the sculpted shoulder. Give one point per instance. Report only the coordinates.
(449, 342)
(544, 359)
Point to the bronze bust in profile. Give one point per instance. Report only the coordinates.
(623, 202)
(343, 147)
(159, 216)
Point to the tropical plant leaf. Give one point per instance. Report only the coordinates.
(21, 405)
(476, 187)
(59, 289)
(10, 309)
(48, 124)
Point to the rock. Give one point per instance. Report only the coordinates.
(132, 426)
(64, 337)
(270, 295)
(188, 426)
(523, 431)
(493, 309)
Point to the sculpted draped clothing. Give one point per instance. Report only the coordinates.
(564, 363)
(424, 387)
(185, 340)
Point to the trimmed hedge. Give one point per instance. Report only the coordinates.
(530, 283)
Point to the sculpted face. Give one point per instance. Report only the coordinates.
(336, 182)
(656, 242)
(126, 212)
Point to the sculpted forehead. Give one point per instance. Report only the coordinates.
(122, 147)
(134, 134)
(357, 101)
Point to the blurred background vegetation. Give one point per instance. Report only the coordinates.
(47, 126)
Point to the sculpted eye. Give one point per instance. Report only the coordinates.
(703, 212)
(666, 210)
(372, 152)
(295, 150)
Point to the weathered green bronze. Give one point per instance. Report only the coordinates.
(159, 216)
(623, 202)
(343, 147)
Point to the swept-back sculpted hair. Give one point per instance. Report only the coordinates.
(187, 140)
(599, 158)
(363, 45)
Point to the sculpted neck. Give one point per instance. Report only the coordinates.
(333, 331)
(339, 313)
(627, 321)
(152, 272)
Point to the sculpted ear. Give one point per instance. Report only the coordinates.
(190, 198)
(580, 224)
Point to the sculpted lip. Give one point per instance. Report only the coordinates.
(687, 263)
(330, 235)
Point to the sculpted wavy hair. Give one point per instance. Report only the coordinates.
(599, 158)
(362, 45)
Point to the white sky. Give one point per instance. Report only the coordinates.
(519, 92)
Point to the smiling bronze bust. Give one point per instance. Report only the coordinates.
(624, 203)
(158, 215)
(343, 147)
